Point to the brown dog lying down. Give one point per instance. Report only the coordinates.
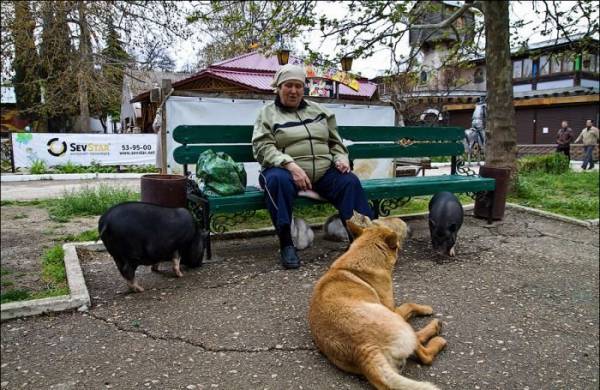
(352, 315)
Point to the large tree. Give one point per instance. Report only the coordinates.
(70, 37)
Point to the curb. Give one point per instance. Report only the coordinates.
(69, 176)
(547, 214)
(78, 297)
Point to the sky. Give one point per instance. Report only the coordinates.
(185, 51)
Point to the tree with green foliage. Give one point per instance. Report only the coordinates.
(57, 68)
(237, 27)
(25, 81)
(114, 60)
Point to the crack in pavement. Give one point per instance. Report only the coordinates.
(544, 234)
(196, 344)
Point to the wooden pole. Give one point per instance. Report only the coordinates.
(165, 89)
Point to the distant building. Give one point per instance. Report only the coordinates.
(248, 75)
(552, 81)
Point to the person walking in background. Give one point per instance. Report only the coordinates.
(590, 136)
(564, 137)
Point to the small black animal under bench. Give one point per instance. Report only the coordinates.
(138, 233)
(445, 219)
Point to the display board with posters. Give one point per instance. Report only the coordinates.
(83, 149)
(320, 87)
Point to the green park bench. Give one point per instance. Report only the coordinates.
(364, 143)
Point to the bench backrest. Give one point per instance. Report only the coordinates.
(363, 142)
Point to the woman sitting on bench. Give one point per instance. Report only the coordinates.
(299, 148)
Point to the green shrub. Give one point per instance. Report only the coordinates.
(89, 201)
(142, 169)
(69, 167)
(38, 167)
(95, 167)
(555, 163)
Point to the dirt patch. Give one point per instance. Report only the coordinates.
(26, 232)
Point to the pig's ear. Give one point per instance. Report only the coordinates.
(355, 229)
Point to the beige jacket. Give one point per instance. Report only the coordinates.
(589, 136)
(307, 135)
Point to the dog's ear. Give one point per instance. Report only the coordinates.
(391, 238)
(355, 229)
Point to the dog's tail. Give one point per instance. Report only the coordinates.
(380, 372)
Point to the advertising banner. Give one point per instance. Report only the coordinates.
(84, 149)
(183, 110)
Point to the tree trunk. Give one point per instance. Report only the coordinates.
(501, 145)
(83, 122)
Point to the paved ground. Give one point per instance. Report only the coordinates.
(42, 189)
(519, 306)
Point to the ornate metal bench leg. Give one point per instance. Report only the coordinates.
(375, 207)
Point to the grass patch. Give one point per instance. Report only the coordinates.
(574, 194)
(88, 201)
(87, 235)
(19, 216)
(53, 267)
(14, 295)
(4, 203)
(4, 271)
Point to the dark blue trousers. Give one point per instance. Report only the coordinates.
(343, 190)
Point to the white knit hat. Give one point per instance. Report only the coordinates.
(289, 72)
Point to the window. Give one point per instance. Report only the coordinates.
(555, 64)
(527, 64)
(586, 63)
(423, 77)
(567, 64)
(544, 66)
(517, 69)
(478, 77)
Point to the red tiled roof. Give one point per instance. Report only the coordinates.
(254, 61)
(256, 71)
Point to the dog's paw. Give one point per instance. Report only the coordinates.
(438, 325)
(425, 310)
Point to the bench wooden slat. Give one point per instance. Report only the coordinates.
(366, 151)
(202, 134)
(243, 153)
(189, 154)
(392, 133)
(374, 189)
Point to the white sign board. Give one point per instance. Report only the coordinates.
(183, 110)
(545, 130)
(83, 149)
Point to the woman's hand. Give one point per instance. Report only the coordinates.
(342, 166)
(300, 177)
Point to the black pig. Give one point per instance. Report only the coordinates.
(445, 219)
(138, 233)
